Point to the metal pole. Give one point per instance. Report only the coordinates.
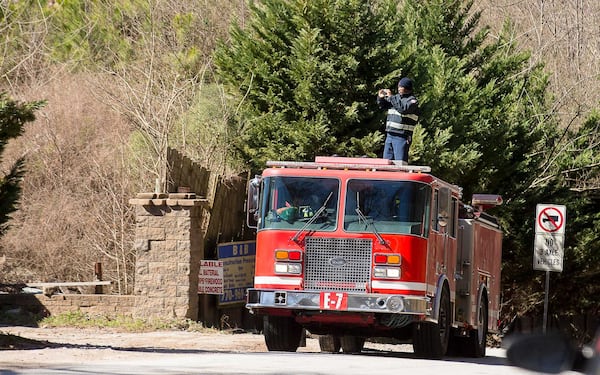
(546, 301)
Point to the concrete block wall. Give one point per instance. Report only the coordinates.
(169, 247)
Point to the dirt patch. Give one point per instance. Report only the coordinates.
(22, 338)
(24, 347)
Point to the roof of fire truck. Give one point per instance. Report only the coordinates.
(337, 162)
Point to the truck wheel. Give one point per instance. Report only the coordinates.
(281, 333)
(430, 340)
(352, 344)
(329, 343)
(477, 340)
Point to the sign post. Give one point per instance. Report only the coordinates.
(548, 247)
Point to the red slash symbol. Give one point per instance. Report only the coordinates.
(552, 216)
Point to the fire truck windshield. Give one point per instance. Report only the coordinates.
(293, 203)
(387, 206)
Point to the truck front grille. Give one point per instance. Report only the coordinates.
(337, 264)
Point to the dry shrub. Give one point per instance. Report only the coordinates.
(564, 36)
(74, 208)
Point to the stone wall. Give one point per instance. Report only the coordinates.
(169, 247)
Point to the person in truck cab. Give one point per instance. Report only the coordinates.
(402, 117)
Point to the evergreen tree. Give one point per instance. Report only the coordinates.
(13, 116)
(485, 111)
(573, 179)
(305, 74)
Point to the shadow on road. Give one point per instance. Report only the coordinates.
(490, 360)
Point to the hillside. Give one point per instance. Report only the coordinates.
(88, 154)
(564, 37)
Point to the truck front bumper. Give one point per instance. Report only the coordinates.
(352, 302)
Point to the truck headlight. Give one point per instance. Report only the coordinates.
(288, 268)
(387, 272)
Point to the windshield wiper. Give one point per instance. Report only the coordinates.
(371, 223)
(312, 219)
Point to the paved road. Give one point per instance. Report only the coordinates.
(304, 363)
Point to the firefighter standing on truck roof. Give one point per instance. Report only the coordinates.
(402, 117)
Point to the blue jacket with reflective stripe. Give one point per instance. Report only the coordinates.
(403, 113)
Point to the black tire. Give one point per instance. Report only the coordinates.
(476, 343)
(456, 345)
(352, 344)
(330, 343)
(430, 340)
(281, 333)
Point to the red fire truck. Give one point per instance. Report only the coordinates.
(357, 248)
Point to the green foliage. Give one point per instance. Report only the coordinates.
(304, 73)
(205, 130)
(578, 170)
(13, 116)
(100, 35)
(80, 319)
(85, 33)
(570, 177)
(483, 108)
(14, 36)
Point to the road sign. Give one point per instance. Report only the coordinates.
(550, 218)
(548, 252)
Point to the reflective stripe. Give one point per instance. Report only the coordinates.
(412, 116)
(277, 280)
(398, 285)
(399, 122)
(391, 126)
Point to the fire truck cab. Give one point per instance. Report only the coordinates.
(357, 248)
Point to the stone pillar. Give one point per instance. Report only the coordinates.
(169, 247)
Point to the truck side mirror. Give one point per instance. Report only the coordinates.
(252, 202)
(442, 219)
(444, 207)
